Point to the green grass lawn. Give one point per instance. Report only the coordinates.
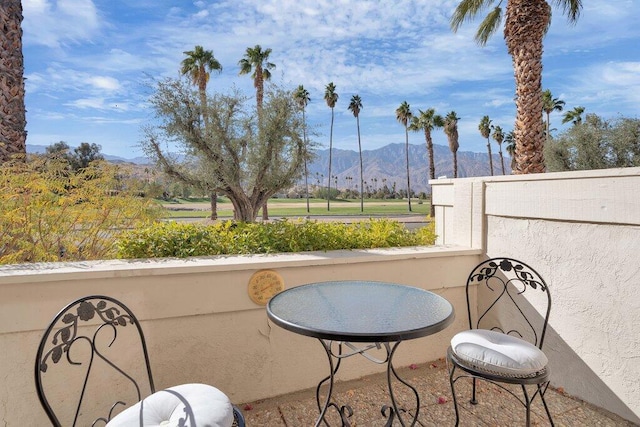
(199, 208)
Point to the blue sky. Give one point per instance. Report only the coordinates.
(88, 62)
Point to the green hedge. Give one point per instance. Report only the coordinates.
(175, 239)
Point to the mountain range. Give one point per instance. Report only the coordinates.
(385, 163)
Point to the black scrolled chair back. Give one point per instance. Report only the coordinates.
(506, 280)
(71, 328)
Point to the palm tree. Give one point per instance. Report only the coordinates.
(427, 121)
(198, 64)
(498, 136)
(526, 24)
(574, 116)
(257, 60)
(549, 105)
(403, 115)
(451, 130)
(13, 134)
(301, 96)
(510, 139)
(485, 130)
(331, 97)
(355, 106)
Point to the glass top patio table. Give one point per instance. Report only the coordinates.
(360, 311)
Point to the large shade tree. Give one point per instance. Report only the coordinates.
(246, 159)
(427, 121)
(485, 130)
(302, 98)
(525, 25)
(256, 61)
(451, 130)
(355, 105)
(331, 97)
(199, 64)
(403, 115)
(13, 134)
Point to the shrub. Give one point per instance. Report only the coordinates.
(173, 239)
(48, 212)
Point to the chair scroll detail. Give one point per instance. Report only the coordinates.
(90, 340)
(504, 342)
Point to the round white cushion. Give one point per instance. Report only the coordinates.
(497, 352)
(210, 407)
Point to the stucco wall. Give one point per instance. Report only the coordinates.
(201, 326)
(581, 231)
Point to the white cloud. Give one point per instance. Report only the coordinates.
(55, 23)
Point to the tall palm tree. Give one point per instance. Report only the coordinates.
(510, 139)
(526, 24)
(574, 116)
(485, 130)
(498, 136)
(257, 60)
(451, 130)
(198, 64)
(13, 134)
(355, 106)
(301, 96)
(403, 115)
(427, 121)
(549, 105)
(331, 97)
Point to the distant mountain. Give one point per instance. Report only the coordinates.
(385, 163)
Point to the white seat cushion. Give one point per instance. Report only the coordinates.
(497, 352)
(210, 407)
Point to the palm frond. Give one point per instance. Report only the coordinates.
(467, 11)
(489, 26)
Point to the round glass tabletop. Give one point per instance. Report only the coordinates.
(360, 311)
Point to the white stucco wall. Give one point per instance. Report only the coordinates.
(581, 231)
(200, 324)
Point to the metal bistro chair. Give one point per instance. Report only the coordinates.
(497, 353)
(89, 343)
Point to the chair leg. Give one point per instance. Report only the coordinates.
(527, 405)
(473, 400)
(544, 402)
(453, 393)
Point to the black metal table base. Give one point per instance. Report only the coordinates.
(390, 412)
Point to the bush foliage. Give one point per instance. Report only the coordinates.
(48, 212)
(173, 239)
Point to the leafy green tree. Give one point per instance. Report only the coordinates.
(485, 130)
(574, 116)
(257, 60)
(525, 25)
(302, 98)
(427, 121)
(13, 134)
(498, 136)
(403, 115)
(355, 105)
(331, 97)
(199, 64)
(596, 144)
(451, 130)
(245, 156)
(549, 105)
(81, 157)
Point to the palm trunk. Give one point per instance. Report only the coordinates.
(455, 164)
(432, 167)
(13, 135)
(406, 138)
(526, 23)
(501, 157)
(330, 153)
(361, 168)
(490, 158)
